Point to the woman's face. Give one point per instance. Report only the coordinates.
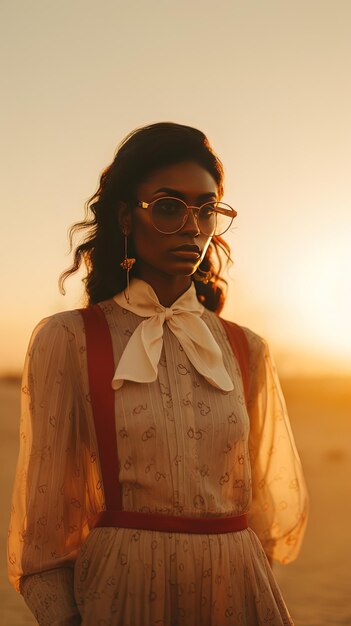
(159, 253)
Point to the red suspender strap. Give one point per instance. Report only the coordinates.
(101, 370)
(240, 347)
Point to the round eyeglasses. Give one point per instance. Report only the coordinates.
(168, 215)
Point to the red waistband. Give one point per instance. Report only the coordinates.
(172, 523)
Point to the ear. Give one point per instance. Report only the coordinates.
(124, 216)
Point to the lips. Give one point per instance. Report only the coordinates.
(187, 247)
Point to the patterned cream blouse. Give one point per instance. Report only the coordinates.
(185, 448)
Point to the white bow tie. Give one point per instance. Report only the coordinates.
(142, 353)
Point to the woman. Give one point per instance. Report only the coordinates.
(191, 449)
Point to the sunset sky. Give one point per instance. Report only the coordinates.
(268, 81)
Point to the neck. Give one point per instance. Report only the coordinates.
(167, 288)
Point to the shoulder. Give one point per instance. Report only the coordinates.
(59, 330)
(256, 344)
(254, 358)
(65, 320)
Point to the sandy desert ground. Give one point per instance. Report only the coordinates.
(317, 587)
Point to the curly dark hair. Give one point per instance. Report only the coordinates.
(142, 152)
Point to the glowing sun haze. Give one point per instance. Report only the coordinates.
(268, 82)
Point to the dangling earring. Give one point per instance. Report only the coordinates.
(202, 277)
(127, 264)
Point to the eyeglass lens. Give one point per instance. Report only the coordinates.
(170, 214)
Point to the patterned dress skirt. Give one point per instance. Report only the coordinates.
(125, 577)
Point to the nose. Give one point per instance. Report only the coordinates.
(191, 223)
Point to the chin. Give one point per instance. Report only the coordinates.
(185, 270)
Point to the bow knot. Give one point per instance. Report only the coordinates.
(139, 361)
(168, 313)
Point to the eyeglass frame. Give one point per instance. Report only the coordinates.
(146, 205)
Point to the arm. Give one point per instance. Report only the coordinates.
(49, 516)
(279, 507)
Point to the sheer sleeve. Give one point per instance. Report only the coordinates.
(55, 495)
(279, 507)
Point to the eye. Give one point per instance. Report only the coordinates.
(208, 211)
(168, 206)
